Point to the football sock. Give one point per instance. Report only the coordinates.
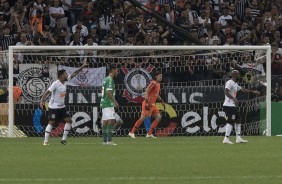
(110, 132)
(238, 130)
(66, 130)
(228, 130)
(105, 133)
(48, 130)
(136, 125)
(153, 126)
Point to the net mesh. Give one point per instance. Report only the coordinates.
(192, 88)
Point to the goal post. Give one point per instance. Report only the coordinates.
(192, 49)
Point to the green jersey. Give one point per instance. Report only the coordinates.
(108, 84)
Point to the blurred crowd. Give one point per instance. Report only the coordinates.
(118, 22)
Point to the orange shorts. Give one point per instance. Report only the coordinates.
(153, 110)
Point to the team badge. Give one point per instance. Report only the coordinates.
(34, 83)
(136, 81)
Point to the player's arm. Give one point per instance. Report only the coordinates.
(79, 70)
(250, 91)
(111, 96)
(147, 92)
(151, 86)
(45, 95)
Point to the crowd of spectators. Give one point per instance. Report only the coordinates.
(118, 22)
(115, 22)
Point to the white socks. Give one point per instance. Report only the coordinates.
(47, 132)
(238, 130)
(228, 130)
(66, 130)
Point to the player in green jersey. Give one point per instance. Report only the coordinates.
(108, 105)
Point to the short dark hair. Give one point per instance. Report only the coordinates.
(157, 73)
(112, 67)
(61, 72)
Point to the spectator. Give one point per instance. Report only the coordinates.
(225, 19)
(255, 11)
(6, 9)
(6, 40)
(104, 23)
(68, 6)
(276, 59)
(60, 32)
(56, 11)
(183, 21)
(37, 21)
(36, 16)
(93, 33)
(169, 13)
(25, 29)
(248, 18)
(244, 34)
(151, 5)
(82, 28)
(88, 15)
(204, 19)
(91, 53)
(241, 6)
(21, 43)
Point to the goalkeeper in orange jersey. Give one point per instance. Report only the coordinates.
(149, 107)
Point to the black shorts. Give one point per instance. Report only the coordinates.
(231, 113)
(58, 114)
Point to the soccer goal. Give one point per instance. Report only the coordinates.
(192, 87)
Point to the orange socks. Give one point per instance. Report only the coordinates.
(136, 125)
(153, 126)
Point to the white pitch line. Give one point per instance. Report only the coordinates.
(140, 178)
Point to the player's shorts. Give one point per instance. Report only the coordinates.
(231, 113)
(58, 114)
(108, 113)
(153, 110)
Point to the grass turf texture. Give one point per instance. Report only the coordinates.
(163, 160)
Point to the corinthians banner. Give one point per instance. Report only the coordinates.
(87, 77)
(35, 79)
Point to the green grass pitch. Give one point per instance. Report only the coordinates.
(193, 160)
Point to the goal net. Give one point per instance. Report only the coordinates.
(192, 87)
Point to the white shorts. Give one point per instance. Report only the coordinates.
(108, 113)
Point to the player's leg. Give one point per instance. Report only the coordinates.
(147, 123)
(48, 130)
(105, 131)
(118, 123)
(230, 119)
(52, 116)
(144, 114)
(238, 129)
(157, 118)
(104, 127)
(108, 122)
(67, 118)
(110, 131)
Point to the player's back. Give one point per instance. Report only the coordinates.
(108, 84)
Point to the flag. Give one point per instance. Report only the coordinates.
(87, 77)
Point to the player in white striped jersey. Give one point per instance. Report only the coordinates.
(56, 109)
(230, 107)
